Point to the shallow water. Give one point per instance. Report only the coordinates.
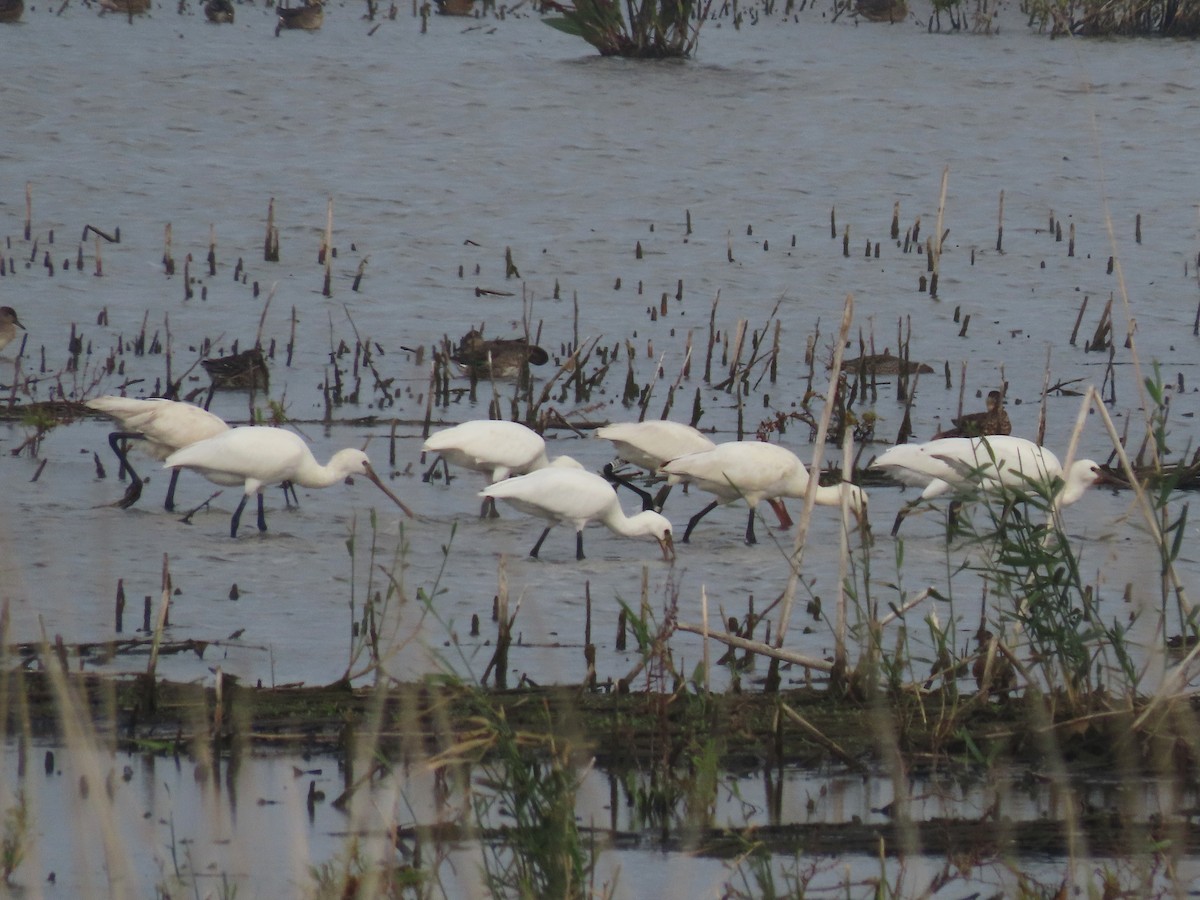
(438, 152)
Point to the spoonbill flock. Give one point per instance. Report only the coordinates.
(514, 459)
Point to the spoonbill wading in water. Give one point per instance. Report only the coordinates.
(162, 427)
(754, 471)
(497, 448)
(998, 464)
(577, 497)
(255, 456)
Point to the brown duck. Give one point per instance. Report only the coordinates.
(994, 420)
(497, 358)
(308, 17)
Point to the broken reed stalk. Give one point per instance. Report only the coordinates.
(1000, 226)
(938, 234)
(327, 250)
(810, 496)
(212, 250)
(28, 210)
(839, 646)
(712, 337)
(962, 388)
(704, 625)
(762, 649)
(164, 606)
(1041, 430)
(167, 260)
(1079, 319)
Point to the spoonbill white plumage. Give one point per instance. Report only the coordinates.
(649, 445)
(255, 456)
(161, 427)
(959, 465)
(577, 497)
(9, 323)
(755, 471)
(494, 447)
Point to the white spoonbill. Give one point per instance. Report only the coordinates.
(255, 456)
(494, 447)
(162, 427)
(995, 464)
(649, 445)
(9, 323)
(754, 471)
(577, 497)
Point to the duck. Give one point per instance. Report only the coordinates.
(496, 358)
(309, 17)
(219, 12)
(993, 420)
(11, 11)
(9, 323)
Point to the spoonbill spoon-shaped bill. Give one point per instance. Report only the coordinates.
(959, 466)
(9, 323)
(255, 456)
(161, 427)
(577, 497)
(754, 471)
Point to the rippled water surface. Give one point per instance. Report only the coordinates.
(437, 152)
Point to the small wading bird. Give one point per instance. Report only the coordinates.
(961, 466)
(254, 456)
(754, 471)
(994, 420)
(497, 358)
(576, 497)
(496, 448)
(9, 323)
(650, 445)
(161, 427)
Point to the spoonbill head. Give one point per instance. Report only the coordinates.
(754, 471)
(575, 497)
(161, 427)
(255, 456)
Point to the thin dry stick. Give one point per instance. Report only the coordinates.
(704, 625)
(810, 496)
(898, 611)
(828, 743)
(262, 319)
(937, 235)
(839, 647)
(741, 643)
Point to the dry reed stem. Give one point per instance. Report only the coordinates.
(762, 649)
(810, 496)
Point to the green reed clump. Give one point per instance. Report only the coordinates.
(649, 29)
